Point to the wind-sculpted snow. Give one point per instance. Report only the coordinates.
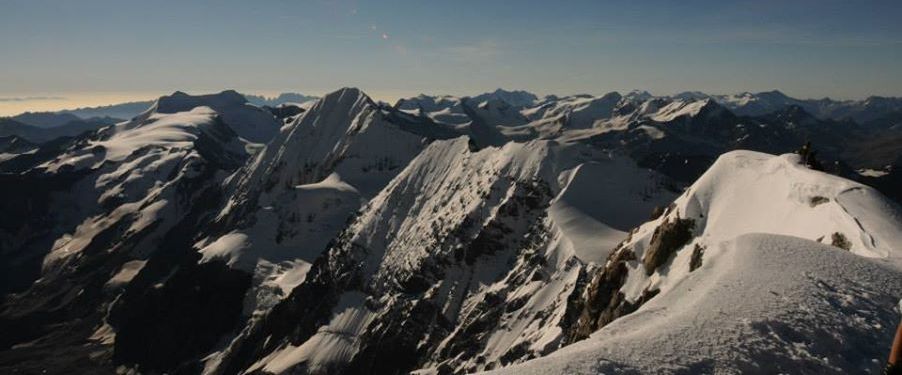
(760, 303)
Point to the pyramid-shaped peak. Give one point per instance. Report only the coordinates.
(347, 94)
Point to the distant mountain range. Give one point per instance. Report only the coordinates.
(51, 126)
(621, 233)
(124, 111)
(761, 103)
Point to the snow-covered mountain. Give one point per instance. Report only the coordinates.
(449, 235)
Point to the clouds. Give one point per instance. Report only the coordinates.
(30, 98)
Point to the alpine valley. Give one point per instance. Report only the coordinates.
(620, 234)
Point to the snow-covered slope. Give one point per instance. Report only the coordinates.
(251, 123)
(760, 303)
(760, 256)
(454, 239)
(295, 196)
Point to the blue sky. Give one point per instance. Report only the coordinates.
(841, 49)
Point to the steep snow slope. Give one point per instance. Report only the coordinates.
(735, 263)
(761, 303)
(460, 238)
(300, 190)
(290, 202)
(590, 219)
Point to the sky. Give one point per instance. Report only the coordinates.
(63, 53)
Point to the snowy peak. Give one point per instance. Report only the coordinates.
(251, 123)
(582, 112)
(687, 109)
(638, 96)
(517, 98)
(347, 100)
(345, 135)
(691, 96)
(744, 191)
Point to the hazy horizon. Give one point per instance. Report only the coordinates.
(48, 102)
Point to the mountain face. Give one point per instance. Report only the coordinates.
(450, 235)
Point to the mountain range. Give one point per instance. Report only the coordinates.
(622, 233)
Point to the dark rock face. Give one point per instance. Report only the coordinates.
(817, 200)
(696, 261)
(601, 301)
(284, 111)
(602, 297)
(170, 327)
(669, 237)
(15, 145)
(26, 227)
(839, 240)
(473, 329)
